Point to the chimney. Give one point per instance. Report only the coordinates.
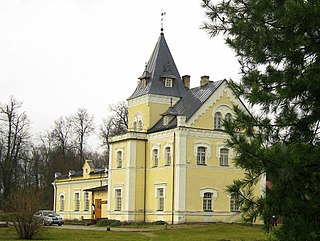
(71, 172)
(181, 120)
(204, 80)
(57, 174)
(186, 81)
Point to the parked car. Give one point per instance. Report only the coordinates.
(49, 217)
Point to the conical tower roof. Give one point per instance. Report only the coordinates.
(160, 66)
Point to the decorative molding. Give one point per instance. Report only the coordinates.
(160, 135)
(149, 98)
(204, 144)
(210, 190)
(127, 136)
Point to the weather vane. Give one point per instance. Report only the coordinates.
(162, 14)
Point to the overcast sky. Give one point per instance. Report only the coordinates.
(60, 55)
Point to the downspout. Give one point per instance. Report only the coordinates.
(145, 182)
(173, 170)
(55, 196)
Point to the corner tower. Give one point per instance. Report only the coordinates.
(159, 87)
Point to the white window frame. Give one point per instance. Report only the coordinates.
(118, 199)
(205, 200)
(137, 122)
(62, 201)
(77, 201)
(168, 82)
(217, 120)
(155, 159)
(234, 203)
(119, 162)
(224, 157)
(86, 201)
(207, 153)
(219, 147)
(167, 156)
(160, 199)
(228, 117)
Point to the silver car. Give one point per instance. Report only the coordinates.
(49, 217)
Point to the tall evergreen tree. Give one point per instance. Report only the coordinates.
(277, 43)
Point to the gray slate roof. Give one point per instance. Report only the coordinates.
(160, 65)
(188, 105)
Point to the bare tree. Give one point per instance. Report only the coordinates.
(14, 127)
(61, 134)
(82, 127)
(115, 124)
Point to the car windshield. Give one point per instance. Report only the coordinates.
(50, 213)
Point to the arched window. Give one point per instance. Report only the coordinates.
(224, 157)
(155, 157)
(167, 155)
(228, 117)
(119, 159)
(201, 155)
(207, 201)
(217, 121)
(140, 125)
(62, 200)
(137, 122)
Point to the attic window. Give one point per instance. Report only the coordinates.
(168, 82)
(167, 119)
(144, 83)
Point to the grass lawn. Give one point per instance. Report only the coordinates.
(214, 232)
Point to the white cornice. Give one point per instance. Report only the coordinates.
(161, 135)
(149, 98)
(129, 135)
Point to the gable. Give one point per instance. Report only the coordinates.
(221, 100)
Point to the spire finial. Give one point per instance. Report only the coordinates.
(162, 14)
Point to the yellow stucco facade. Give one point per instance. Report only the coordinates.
(76, 194)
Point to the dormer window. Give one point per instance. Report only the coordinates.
(144, 83)
(168, 82)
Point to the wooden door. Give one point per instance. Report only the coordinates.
(97, 208)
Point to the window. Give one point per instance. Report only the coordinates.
(217, 120)
(234, 203)
(167, 155)
(224, 157)
(118, 199)
(201, 155)
(86, 201)
(76, 201)
(228, 117)
(155, 157)
(207, 201)
(160, 195)
(62, 202)
(119, 159)
(137, 122)
(140, 125)
(168, 82)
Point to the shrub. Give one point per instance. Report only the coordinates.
(108, 222)
(21, 205)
